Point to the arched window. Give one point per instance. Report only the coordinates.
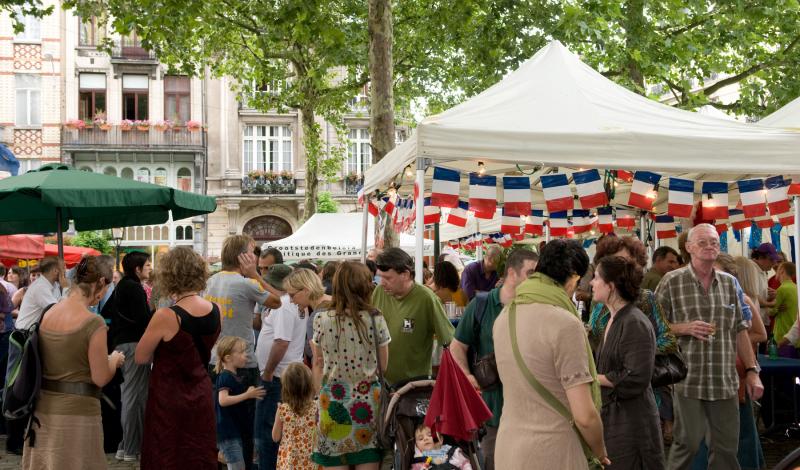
(140, 233)
(86, 168)
(148, 233)
(143, 175)
(188, 232)
(185, 179)
(267, 228)
(126, 173)
(165, 233)
(160, 177)
(110, 171)
(178, 233)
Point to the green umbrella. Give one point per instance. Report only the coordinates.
(44, 200)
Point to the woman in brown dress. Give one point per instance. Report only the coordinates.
(75, 365)
(179, 423)
(625, 367)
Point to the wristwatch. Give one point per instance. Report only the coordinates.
(756, 369)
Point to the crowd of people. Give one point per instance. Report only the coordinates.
(282, 366)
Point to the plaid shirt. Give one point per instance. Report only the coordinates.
(712, 365)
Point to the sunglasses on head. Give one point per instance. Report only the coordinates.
(384, 268)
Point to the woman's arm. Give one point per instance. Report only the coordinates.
(16, 299)
(757, 331)
(383, 351)
(587, 419)
(317, 365)
(162, 327)
(636, 349)
(277, 428)
(102, 366)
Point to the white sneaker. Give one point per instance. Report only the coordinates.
(130, 458)
(120, 455)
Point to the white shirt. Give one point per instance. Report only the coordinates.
(39, 295)
(283, 323)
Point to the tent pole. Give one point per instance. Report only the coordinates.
(547, 233)
(436, 248)
(364, 228)
(420, 225)
(59, 235)
(797, 238)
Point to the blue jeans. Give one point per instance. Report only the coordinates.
(265, 419)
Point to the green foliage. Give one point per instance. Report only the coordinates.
(326, 204)
(19, 8)
(94, 239)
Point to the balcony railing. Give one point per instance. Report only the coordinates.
(116, 137)
(352, 186)
(264, 185)
(131, 52)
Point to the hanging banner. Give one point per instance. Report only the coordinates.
(605, 219)
(445, 187)
(751, 195)
(715, 200)
(483, 194)
(557, 195)
(516, 195)
(680, 198)
(643, 193)
(591, 192)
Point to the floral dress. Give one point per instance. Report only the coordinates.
(294, 452)
(350, 393)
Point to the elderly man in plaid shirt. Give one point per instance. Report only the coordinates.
(702, 305)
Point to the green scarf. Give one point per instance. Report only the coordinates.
(542, 289)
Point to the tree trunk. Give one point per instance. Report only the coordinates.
(634, 32)
(312, 144)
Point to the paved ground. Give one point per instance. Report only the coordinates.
(10, 461)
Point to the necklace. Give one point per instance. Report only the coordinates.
(186, 296)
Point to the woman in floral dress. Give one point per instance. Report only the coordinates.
(345, 370)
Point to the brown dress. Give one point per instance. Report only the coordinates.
(71, 431)
(553, 345)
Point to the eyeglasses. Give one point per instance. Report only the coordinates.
(292, 294)
(707, 242)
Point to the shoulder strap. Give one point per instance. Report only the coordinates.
(481, 301)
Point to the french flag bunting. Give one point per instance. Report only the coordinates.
(715, 200)
(534, 223)
(506, 241)
(751, 195)
(373, 208)
(360, 195)
(510, 223)
(681, 197)
(445, 188)
(721, 225)
(605, 219)
(433, 214)
(737, 219)
(591, 192)
(559, 224)
(453, 244)
(517, 236)
(765, 221)
(516, 195)
(624, 176)
(458, 215)
(581, 220)
(794, 186)
(557, 195)
(777, 195)
(482, 193)
(643, 194)
(786, 219)
(389, 206)
(487, 238)
(665, 227)
(626, 219)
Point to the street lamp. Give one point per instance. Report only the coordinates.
(116, 235)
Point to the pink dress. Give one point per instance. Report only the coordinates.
(439, 456)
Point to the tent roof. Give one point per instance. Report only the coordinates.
(334, 236)
(787, 117)
(556, 111)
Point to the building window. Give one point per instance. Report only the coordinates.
(28, 164)
(267, 148)
(359, 154)
(178, 233)
(132, 46)
(135, 91)
(126, 173)
(91, 32)
(28, 87)
(110, 171)
(187, 232)
(32, 28)
(92, 95)
(177, 98)
(143, 175)
(160, 177)
(87, 169)
(185, 179)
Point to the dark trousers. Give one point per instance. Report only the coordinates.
(266, 410)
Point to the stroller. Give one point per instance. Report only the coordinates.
(406, 410)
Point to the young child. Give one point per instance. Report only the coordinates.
(296, 419)
(784, 312)
(233, 438)
(430, 454)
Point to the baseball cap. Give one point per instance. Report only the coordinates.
(769, 250)
(276, 274)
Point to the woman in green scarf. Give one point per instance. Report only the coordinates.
(547, 370)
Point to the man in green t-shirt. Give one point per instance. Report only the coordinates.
(520, 264)
(413, 313)
(784, 311)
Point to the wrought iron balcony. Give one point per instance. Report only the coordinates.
(267, 184)
(116, 137)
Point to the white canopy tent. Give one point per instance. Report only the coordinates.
(334, 237)
(555, 113)
(787, 117)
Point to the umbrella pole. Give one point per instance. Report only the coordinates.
(797, 238)
(420, 225)
(364, 228)
(59, 235)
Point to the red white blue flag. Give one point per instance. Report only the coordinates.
(665, 227)
(433, 214)
(605, 219)
(458, 215)
(445, 188)
(777, 195)
(482, 194)
(373, 208)
(715, 200)
(643, 193)
(534, 223)
(737, 219)
(591, 192)
(559, 224)
(794, 186)
(765, 221)
(751, 195)
(786, 219)
(389, 206)
(681, 197)
(721, 225)
(624, 176)
(557, 195)
(516, 195)
(626, 219)
(511, 224)
(581, 221)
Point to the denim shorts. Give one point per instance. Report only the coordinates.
(232, 450)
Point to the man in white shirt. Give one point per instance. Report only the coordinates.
(280, 342)
(42, 292)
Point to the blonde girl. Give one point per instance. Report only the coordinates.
(296, 419)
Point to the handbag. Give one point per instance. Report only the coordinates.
(592, 461)
(483, 368)
(669, 369)
(382, 434)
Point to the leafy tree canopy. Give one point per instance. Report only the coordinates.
(19, 8)
(93, 239)
(326, 204)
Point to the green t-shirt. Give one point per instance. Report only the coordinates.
(785, 310)
(484, 345)
(412, 321)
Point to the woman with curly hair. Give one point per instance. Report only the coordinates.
(179, 429)
(345, 372)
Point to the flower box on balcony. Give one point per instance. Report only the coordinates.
(259, 182)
